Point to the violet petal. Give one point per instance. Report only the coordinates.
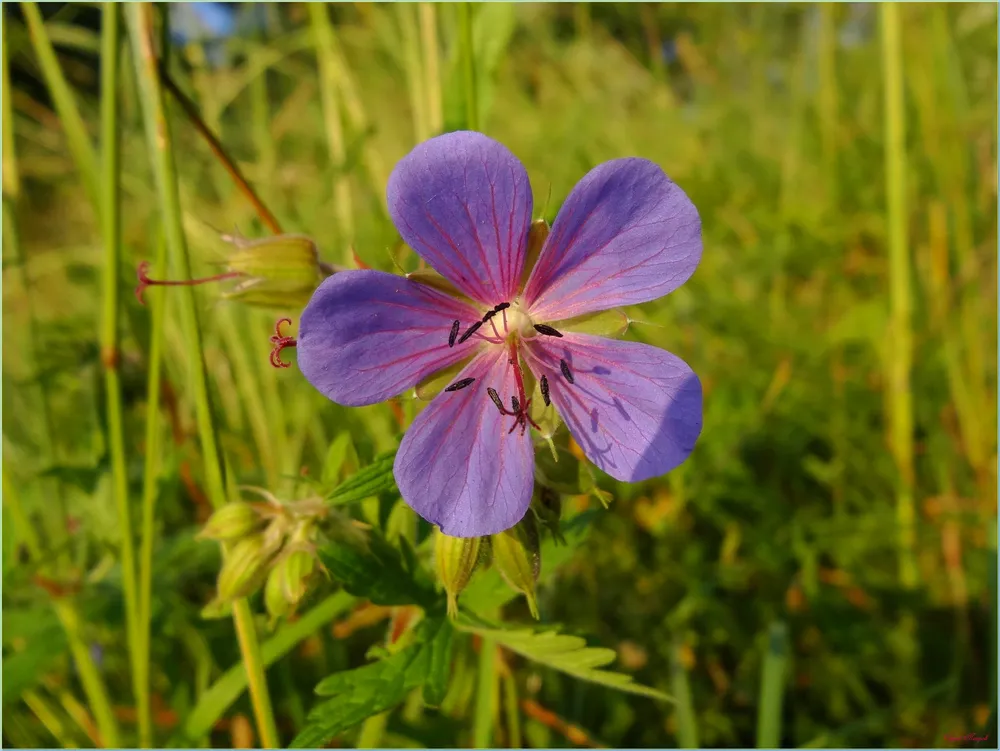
(626, 234)
(366, 336)
(635, 410)
(458, 467)
(463, 202)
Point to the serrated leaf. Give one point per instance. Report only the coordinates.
(355, 695)
(368, 566)
(361, 693)
(439, 668)
(567, 654)
(487, 590)
(374, 479)
(336, 455)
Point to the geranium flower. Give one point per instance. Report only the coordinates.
(626, 234)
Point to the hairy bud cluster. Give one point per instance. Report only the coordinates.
(270, 544)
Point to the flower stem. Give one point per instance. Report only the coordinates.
(158, 137)
(485, 694)
(468, 56)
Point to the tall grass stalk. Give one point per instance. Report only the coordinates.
(150, 475)
(62, 97)
(900, 355)
(158, 138)
(467, 54)
(93, 684)
(327, 58)
(432, 67)
(110, 147)
(772, 687)
(91, 680)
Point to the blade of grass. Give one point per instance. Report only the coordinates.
(158, 138)
(191, 110)
(77, 139)
(150, 477)
(900, 293)
(432, 67)
(110, 146)
(772, 683)
(408, 27)
(90, 677)
(11, 177)
(467, 52)
(326, 57)
(227, 689)
(687, 723)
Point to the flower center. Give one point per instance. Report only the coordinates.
(519, 323)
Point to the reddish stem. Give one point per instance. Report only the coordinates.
(144, 280)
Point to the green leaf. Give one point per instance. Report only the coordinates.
(358, 694)
(336, 455)
(374, 479)
(568, 654)
(439, 670)
(368, 566)
(487, 590)
(355, 695)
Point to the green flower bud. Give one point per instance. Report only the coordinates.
(277, 272)
(275, 601)
(231, 522)
(296, 569)
(272, 272)
(547, 506)
(244, 567)
(457, 559)
(517, 558)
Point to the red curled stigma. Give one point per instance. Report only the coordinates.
(280, 342)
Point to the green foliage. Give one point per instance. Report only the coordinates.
(355, 695)
(368, 566)
(371, 480)
(567, 654)
(772, 119)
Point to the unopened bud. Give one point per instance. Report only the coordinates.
(231, 522)
(547, 505)
(272, 272)
(243, 567)
(457, 559)
(517, 558)
(279, 272)
(296, 569)
(274, 596)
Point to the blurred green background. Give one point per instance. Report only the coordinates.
(832, 540)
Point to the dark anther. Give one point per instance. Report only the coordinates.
(472, 330)
(541, 328)
(489, 315)
(454, 333)
(515, 404)
(459, 385)
(565, 371)
(545, 391)
(501, 306)
(496, 400)
(280, 342)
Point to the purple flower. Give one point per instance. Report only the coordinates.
(625, 235)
